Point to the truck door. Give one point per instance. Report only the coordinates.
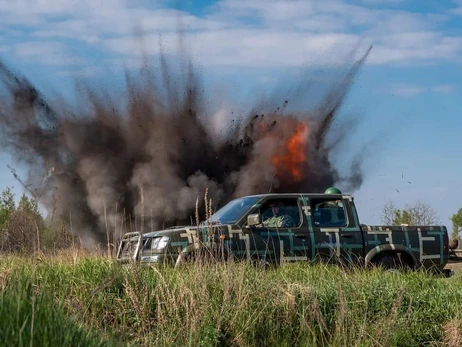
(337, 236)
(282, 221)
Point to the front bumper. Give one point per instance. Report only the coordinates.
(158, 259)
(154, 258)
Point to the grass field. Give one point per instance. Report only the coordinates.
(91, 301)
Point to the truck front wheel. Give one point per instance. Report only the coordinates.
(202, 256)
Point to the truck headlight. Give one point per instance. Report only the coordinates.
(150, 258)
(161, 242)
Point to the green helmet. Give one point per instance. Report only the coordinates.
(332, 190)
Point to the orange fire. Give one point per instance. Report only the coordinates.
(292, 155)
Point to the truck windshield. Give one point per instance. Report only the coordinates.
(232, 211)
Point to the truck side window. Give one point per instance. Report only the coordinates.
(280, 213)
(328, 213)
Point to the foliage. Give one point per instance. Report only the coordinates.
(23, 228)
(421, 213)
(456, 224)
(388, 213)
(30, 206)
(7, 207)
(237, 304)
(403, 217)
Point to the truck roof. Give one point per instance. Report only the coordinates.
(297, 194)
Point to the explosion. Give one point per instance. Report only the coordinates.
(293, 154)
(146, 163)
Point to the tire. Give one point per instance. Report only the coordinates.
(188, 256)
(391, 263)
(202, 256)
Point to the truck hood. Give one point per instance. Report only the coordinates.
(179, 238)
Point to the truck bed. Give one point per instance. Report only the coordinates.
(397, 228)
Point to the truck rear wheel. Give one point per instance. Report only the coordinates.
(392, 263)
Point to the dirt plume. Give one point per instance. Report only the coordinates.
(91, 162)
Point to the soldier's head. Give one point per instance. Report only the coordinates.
(275, 207)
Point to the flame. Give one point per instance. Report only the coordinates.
(292, 156)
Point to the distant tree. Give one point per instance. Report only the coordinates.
(388, 213)
(30, 206)
(456, 224)
(7, 206)
(420, 213)
(22, 225)
(24, 229)
(402, 217)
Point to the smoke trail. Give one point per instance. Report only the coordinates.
(92, 163)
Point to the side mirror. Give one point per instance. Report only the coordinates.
(254, 219)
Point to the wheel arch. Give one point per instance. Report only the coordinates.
(191, 248)
(391, 249)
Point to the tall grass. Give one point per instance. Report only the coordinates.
(67, 300)
(33, 317)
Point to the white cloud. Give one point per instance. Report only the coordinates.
(416, 47)
(49, 53)
(238, 32)
(444, 88)
(116, 64)
(407, 90)
(267, 48)
(289, 12)
(76, 28)
(247, 47)
(382, 2)
(457, 11)
(83, 72)
(58, 8)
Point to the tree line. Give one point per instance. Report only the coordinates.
(420, 213)
(24, 229)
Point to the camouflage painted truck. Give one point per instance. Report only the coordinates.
(272, 229)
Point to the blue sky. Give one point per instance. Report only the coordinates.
(407, 95)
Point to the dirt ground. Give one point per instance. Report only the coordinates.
(456, 267)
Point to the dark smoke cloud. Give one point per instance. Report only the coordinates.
(94, 163)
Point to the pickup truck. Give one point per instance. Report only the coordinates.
(272, 229)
